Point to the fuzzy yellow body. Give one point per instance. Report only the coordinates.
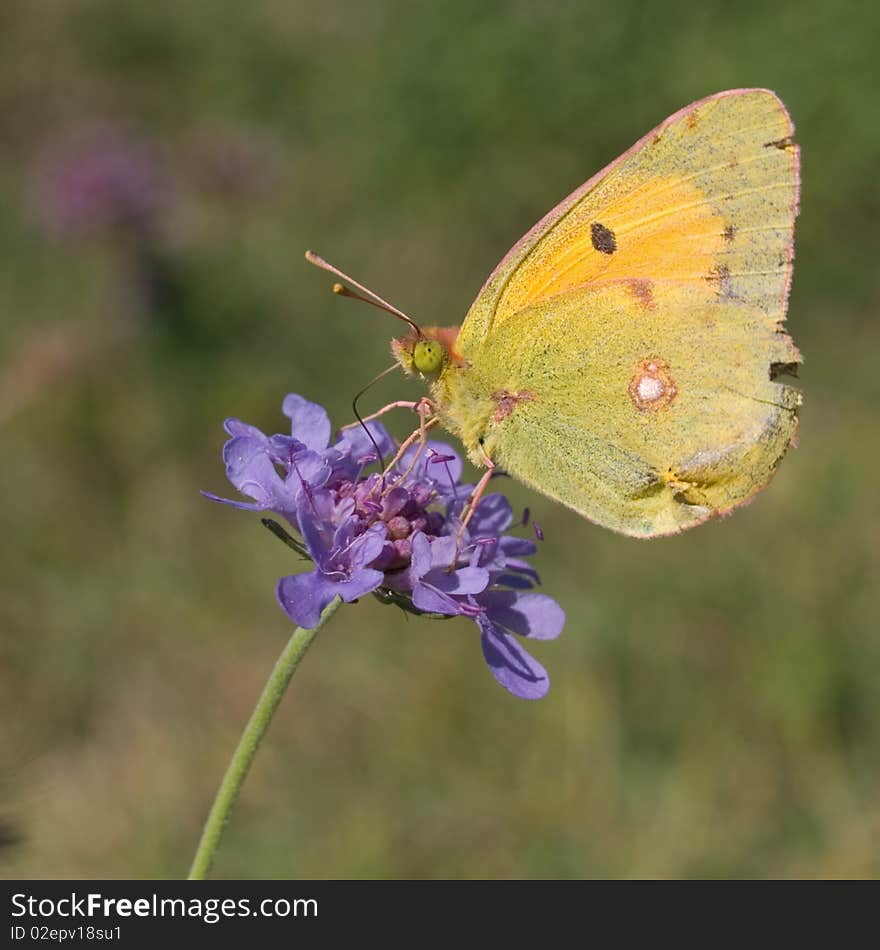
(623, 357)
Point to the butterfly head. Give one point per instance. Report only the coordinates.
(426, 353)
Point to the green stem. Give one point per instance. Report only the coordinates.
(240, 763)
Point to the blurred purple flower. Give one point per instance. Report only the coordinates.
(98, 180)
(394, 533)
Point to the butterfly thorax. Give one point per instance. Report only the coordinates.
(455, 394)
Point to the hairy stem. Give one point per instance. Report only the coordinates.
(254, 731)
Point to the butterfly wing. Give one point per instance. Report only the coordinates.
(709, 196)
(622, 357)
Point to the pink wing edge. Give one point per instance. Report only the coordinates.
(579, 192)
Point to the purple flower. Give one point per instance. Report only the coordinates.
(396, 533)
(101, 179)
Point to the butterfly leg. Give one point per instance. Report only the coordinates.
(400, 404)
(426, 421)
(474, 500)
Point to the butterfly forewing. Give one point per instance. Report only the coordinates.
(709, 196)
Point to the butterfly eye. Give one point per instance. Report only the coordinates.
(428, 356)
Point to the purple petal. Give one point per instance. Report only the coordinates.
(312, 526)
(356, 443)
(447, 471)
(509, 663)
(517, 564)
(444, 475)
(420, 563)
(236, 428)
(344, 534)
(250, 469)
(386, 557)
(304, 596)
(529, 615)
(518, 567)
(310, 467)
(483, 553)
(394, 502)
(245, 459)
(442, 552)
(283, 449)
(330, 509)
(468, 580)
(517, 547)
(492, 516)
(243, 505)
(309, 422)
(433, 601)
(516, 581)
(361, 583)
(367, 547)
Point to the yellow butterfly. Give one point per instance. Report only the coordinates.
(623, 358)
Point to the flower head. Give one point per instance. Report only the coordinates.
(396, 533)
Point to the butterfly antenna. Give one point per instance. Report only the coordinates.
(365, 296)
(357, 415)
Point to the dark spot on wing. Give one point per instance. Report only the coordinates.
(719, 272)
(729, 232)
(691, 120)
(720, 275)
(603, 238)
(782, 144)
(783, 369)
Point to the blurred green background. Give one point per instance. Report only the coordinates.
(715, 708)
